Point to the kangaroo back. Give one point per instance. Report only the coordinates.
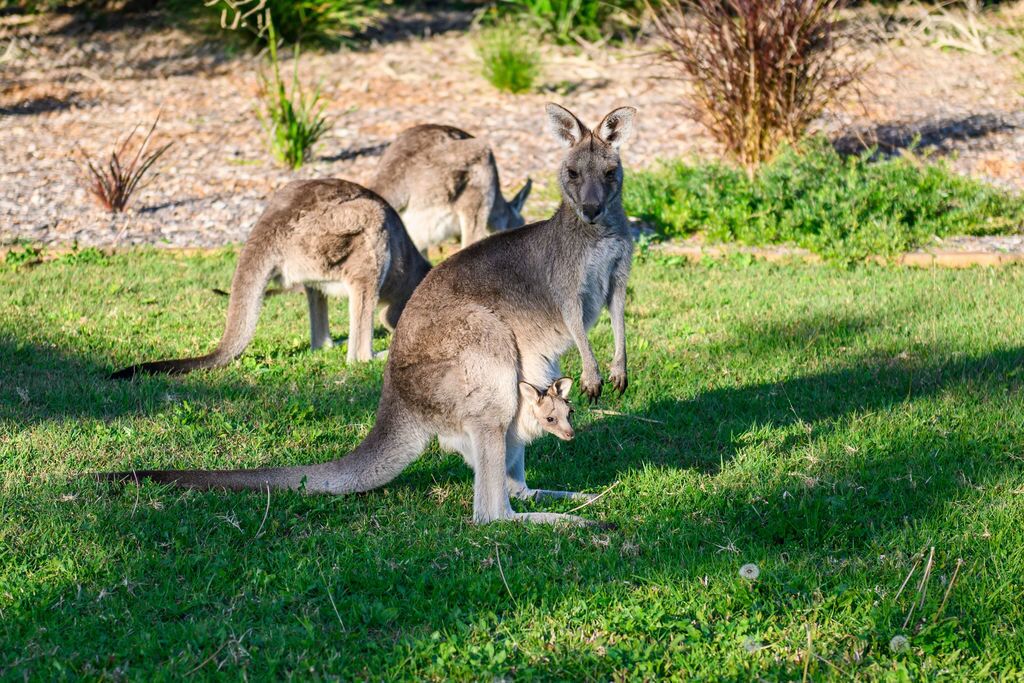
(444, 182)
(411, 149)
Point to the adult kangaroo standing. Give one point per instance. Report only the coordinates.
(501, 311)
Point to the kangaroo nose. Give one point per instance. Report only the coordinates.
(590, 211)
(569, 434)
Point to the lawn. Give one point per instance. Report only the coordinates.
(829, 425)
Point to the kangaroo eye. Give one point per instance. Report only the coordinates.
(612, 174)
(572, 173)
(551, 419)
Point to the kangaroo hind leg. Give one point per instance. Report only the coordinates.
(319, 323)
(490, 491)
(362, 302)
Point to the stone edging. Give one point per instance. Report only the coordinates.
(917, 259)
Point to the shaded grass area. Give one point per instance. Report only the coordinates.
(844, 208)
(828, 425)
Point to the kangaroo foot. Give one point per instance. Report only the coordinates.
(544, 494)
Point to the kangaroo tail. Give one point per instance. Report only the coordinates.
(251, 277)
(394, 442)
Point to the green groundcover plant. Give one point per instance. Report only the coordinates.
(844, 208)
(509, 55)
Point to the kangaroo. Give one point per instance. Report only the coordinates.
(444, 183)
(333, 237)
(545, 411)
(499, 312)
(540, 410)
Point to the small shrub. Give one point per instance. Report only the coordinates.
(844, 208)
(511, 60)
(87, 256)
(294, 121)
(325, 22)
(762, 69)
(565, 21)
(112, 184)
(27, 255)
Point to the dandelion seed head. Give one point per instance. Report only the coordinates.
(750, 571)
(899, 644)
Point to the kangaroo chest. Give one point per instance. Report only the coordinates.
(596, 282)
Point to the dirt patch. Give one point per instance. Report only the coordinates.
(66, 89)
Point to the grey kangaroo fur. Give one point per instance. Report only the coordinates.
(444, 183)
(333, 237)
(540, 410)
(500, 312)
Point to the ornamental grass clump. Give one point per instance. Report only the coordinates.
(762, 70)
(113, 182)
(292, 118)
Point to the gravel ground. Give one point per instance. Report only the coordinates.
(67, 88)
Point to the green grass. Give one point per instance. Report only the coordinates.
(842, 208)
(509, 56)
(828, 425)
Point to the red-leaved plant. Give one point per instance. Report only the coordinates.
(114, 182)
(762, 70)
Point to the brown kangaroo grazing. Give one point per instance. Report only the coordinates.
(333, 237)
(500, 312)
(444, 183)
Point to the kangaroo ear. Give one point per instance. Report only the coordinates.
(529, 392)
(617, 126)
(561, 387)
(564, 126)
(520, 198)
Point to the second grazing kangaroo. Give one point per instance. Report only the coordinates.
(499, 312)
(334, 238)
(444, 183)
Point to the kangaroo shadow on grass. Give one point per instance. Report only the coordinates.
(373, 563)
(40, 382)
(882, 481)
(708, 430)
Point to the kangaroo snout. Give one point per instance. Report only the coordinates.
(590, 211)
(566, 435)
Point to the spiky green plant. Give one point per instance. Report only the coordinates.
(293, 119)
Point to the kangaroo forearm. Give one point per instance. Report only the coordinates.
(582, 342)
(617, 310)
